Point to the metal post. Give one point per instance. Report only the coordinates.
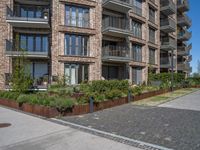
(129, 96)
(172, 70)
(91, 104)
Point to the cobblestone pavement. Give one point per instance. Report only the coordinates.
(172, 128)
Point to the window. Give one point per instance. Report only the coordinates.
(137, 75)
(137, 53)
(137, 4)
(28, 11)
(76, 16)
(151, 15)
(152, 56)
(76, 45)
(33, 42)
(137, 29)
(151, 35)
(76, 73)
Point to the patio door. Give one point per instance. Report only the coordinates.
(71, 72)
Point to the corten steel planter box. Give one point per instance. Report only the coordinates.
(9, 103)
(40, 110)
(195, 86)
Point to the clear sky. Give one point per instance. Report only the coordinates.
(194, 14)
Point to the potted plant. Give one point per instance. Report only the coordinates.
(45, 80)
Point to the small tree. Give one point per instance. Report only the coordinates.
(21, 81)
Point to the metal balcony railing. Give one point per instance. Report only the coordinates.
(115, 22)
(168, 7)
(116, 51)
(184, 20)
(184, 35)
(183, 5)
(168, 41)
(168, 22)
(13, 49)
(120, 1)
(42, 15)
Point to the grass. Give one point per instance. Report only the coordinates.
(157, 100)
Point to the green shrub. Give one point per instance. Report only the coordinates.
(137, 90)
(102, 86)
(23, 98)
(9, 95)
(62, 104)
(113, 94)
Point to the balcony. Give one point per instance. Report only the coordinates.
(118, 5)
(12, 50)
(116, 53)
(184, 20)
(137, 11)
(184, 36)
(165, 62)
(184, 66)
(115, 26)
(184, 50)
(27, 20)
(189, 58)
(167, 7)
(168, 44)
(167, 25)
(183, 5)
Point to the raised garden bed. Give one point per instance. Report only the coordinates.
(77, 109)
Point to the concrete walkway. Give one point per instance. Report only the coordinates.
(31, 133)
(189, 102)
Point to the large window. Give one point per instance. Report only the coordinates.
(152, 15)
(76, 45)
(76, 16)
(152, 56)
(137, 29)
(152, 33)
(137, 52)
(76, 73)
(137, 75)
(33, 42)
(137, 4)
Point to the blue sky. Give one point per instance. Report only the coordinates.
(194, 14)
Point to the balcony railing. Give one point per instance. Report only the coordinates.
(184, 20)
(184, 35)
(26, 20)
(168, 43)
(167, 7)
(115, 52)
(184, 66)
(183, 5)
(168, 25)
(165, 62)
(13, 50)
(118, 5)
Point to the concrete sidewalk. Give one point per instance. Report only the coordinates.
(188, 102)
(31, 133)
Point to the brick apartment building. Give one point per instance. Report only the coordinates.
(94, 39)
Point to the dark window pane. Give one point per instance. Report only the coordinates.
(30, 43)
(45, 44)
(23, 42)
(38, 43)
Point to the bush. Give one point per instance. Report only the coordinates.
(102, 86)
(194, 81)
(137, 90)
(166, 78)
(62, 104)
(9, 95)
(23, 98)
(113, 94)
